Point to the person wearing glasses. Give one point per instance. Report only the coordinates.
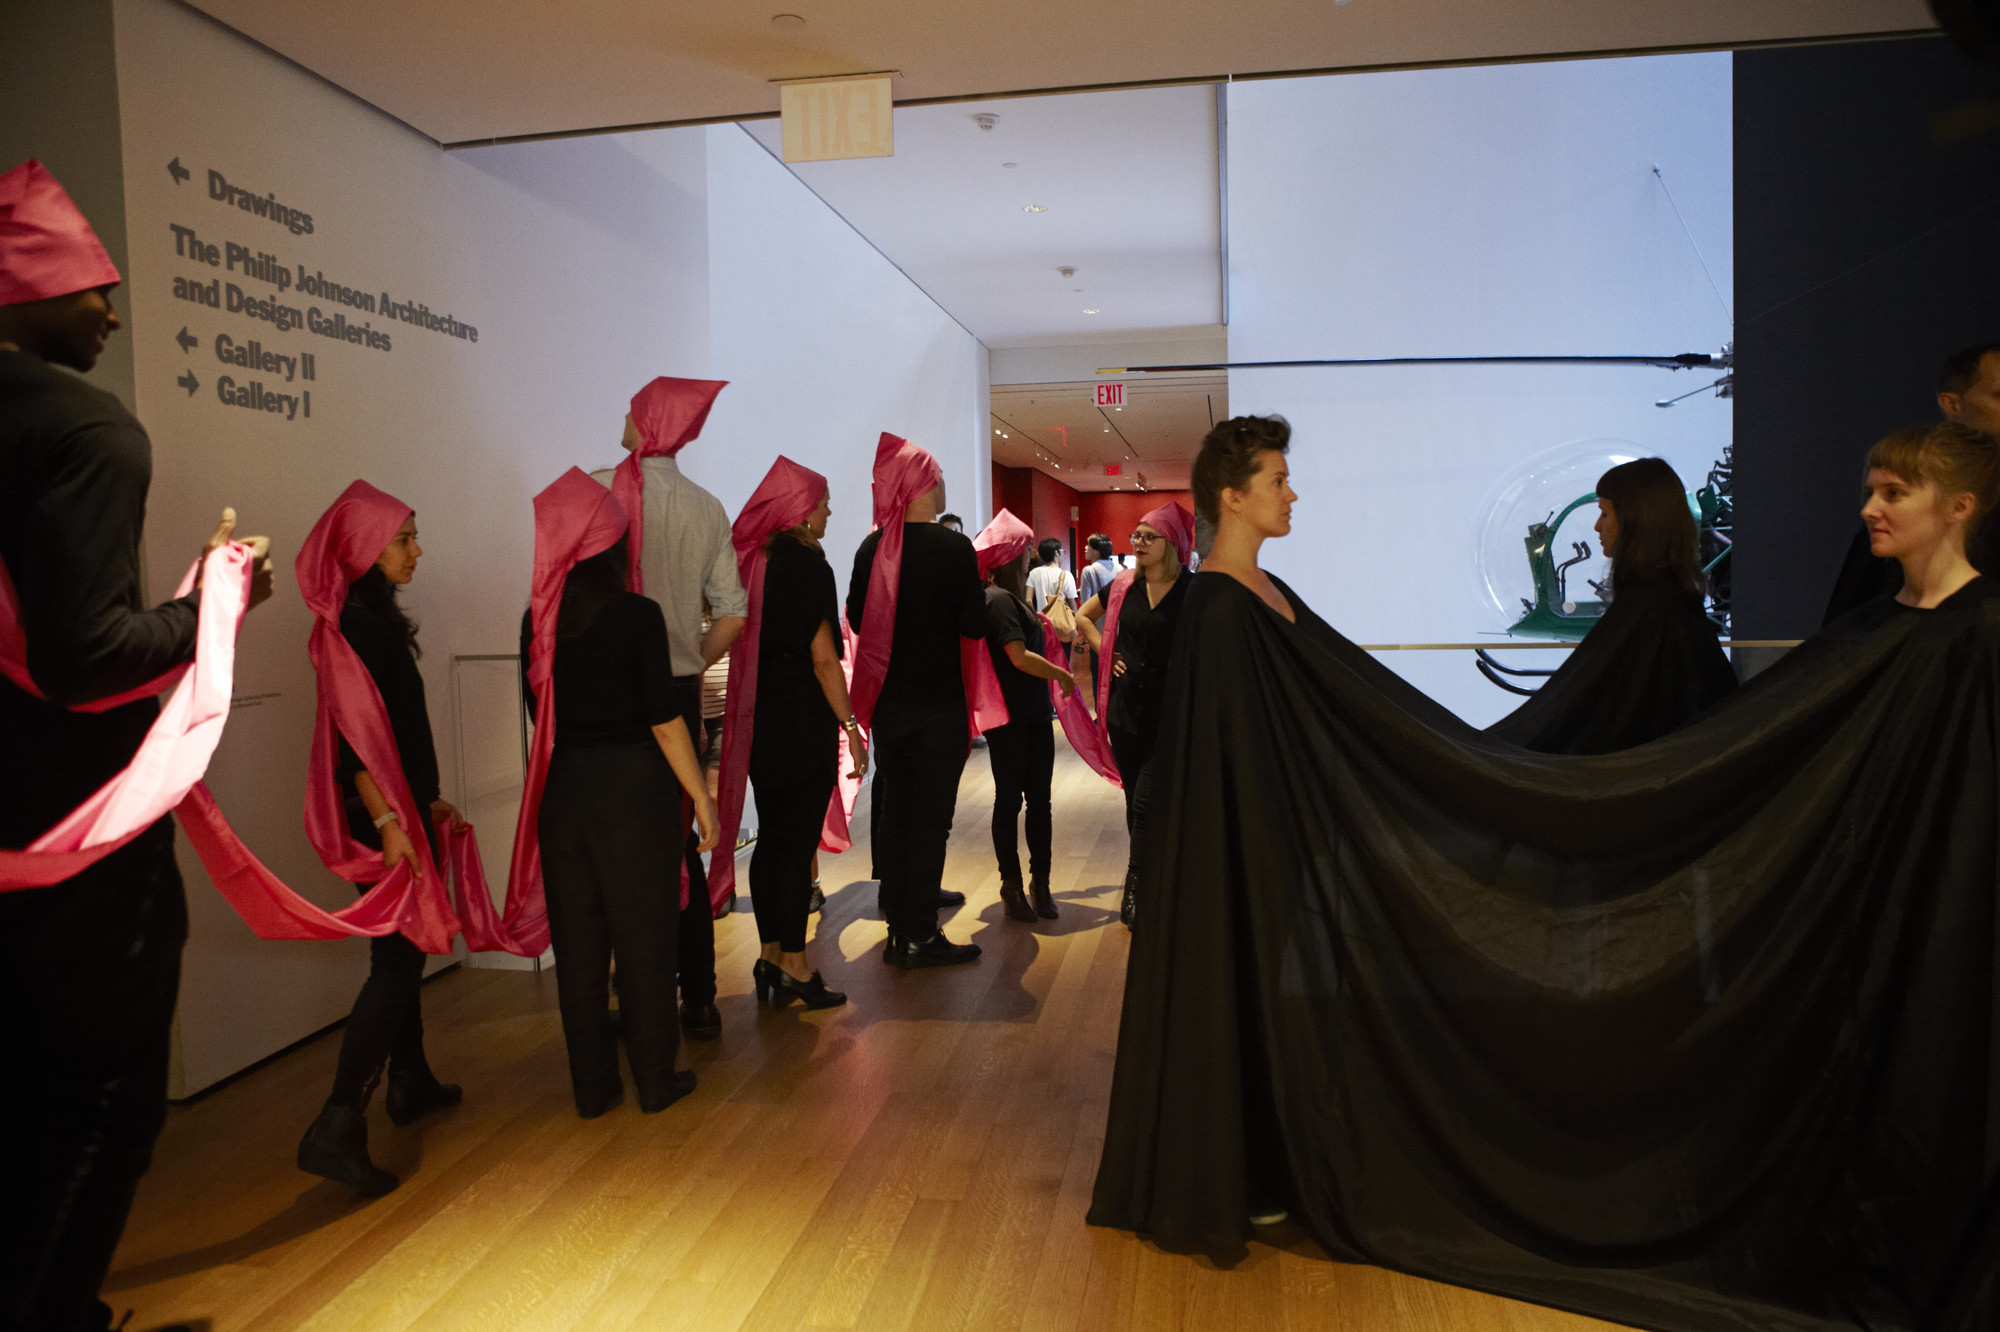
(1140, 611)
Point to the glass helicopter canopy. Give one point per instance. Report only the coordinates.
(1538, 561)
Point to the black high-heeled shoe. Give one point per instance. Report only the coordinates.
(781, 987)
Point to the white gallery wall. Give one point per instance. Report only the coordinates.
(1510, 210)
(585, 267)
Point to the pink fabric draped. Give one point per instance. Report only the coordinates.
(902, 473)
(668, 414)
(1174, 523)
(1004, 539)
(834, 833)
(46, 245)
(782, 500)
(342, 546)
(575, 518)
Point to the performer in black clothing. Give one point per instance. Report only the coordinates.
(1652, 662)
(611, 833)
(1968, 394)
(1694, 1035)
(386, 1026)
(920, 729)
(91, 965)
(1023, 751)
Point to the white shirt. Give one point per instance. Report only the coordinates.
(685, 556)
(1050, 580)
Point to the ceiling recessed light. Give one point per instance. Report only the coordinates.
(787, 21)
(1091, 311)
(1035, 208)
(1010, 165)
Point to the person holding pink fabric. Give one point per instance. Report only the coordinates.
(915, 593)
(1140, 611)
(601, 807)
(92, 963)
(385, 1029)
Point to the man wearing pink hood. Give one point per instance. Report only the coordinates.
(92, 963)
(682, 558)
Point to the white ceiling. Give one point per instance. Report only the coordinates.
(1130, 184)
(1058, 429)
(463, 70)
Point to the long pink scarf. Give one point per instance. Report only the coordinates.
(1174, 523)
(835, 835)
(575, 518)
(783, 499)
(1004, 539)
(668, 414)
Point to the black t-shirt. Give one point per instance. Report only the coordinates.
(939, 600)
(74, 471)
(799, 596)
(1146, 642)
(1027, 695)
(393, 667)
(614, 682)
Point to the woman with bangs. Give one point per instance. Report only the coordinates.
(1928, 490)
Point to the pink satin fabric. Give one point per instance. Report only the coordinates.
(835, 835)
(575, 518)
(668, 414)
(782, 500)
(1004, 540)
(1174, 523)
(46, 245)
(902, 473)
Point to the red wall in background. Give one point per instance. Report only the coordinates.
(1052, 503)
(1116, 512)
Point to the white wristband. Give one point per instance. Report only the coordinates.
(390, 817)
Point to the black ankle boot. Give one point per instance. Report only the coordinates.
(1016, 900)
(336, 1148)
(415, 1092)
(1045, 903)
(1128, 905)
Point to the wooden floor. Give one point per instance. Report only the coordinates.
(921, 1158)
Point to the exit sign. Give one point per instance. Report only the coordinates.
(1114, 469)
(1110, 395)
(827, 120)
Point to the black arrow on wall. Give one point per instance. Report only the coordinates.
(178, 172)
(186, 339)
(188, 382)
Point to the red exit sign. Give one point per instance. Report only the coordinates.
(1114, 469)
(1110, 395)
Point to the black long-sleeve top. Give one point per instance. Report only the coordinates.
(939, 600)
(74, 471)
(393, 667)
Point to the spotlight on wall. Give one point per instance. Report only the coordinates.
(1035, 208)
(1091, 311)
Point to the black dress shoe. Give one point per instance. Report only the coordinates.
(701, 1021)
(683, 1084)
(1128, 905)
(593, 1109)
(1015, 899)
(414, 1093)
(936, 951)
(948, 898)
(336, 1148)
(781, 987)
(817, 902)
(1045, 904)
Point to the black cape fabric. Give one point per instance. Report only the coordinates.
(1645, 669)
(1697, 1035)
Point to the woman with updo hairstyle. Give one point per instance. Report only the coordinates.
(1652, 662)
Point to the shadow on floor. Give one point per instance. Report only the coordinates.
(320, 1205)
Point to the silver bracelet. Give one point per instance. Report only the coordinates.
(390, 817)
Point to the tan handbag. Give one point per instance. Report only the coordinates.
(1061, 617)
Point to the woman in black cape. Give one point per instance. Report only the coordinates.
(1652, 662)
(1695, 1035)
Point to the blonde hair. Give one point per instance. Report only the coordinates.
(1961, 460)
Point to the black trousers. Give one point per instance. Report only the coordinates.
(919, 754)
(697, 927)
(386, 1025)
(610, 829)
(1134, 755)
(89, 973)
(794, 776)
(1023, 754)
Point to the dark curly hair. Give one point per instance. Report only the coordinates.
(1228, 457)
(374, 590)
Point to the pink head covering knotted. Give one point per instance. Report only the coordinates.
(342, 546)
(783, 499)
(1003, 542)
(575, 518)
(1174, 523)
(46, 245)
(668, 413)
(903, 472)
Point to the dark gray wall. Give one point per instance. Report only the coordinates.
(60, 72)
(1866, 250)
